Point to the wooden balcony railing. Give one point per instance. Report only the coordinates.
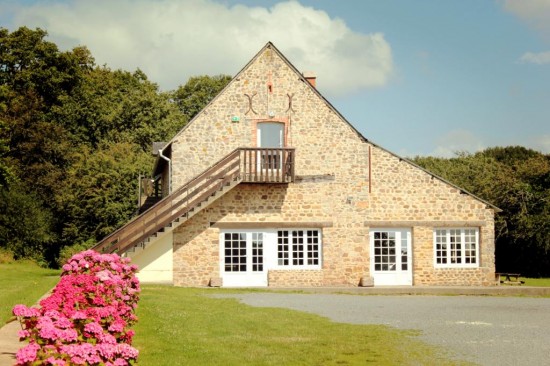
(253, 165)
(267, 165)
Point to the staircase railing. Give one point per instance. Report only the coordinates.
(244, 164)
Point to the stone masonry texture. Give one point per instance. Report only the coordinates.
(332, 166)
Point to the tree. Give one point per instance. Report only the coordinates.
(25, 227)
(75, 137)
(6, 174)
(192, 97)
(119, 106)
(103, 191)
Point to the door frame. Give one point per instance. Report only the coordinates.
(282, 134)
(248, 278)
(267, 161)
(399, 276)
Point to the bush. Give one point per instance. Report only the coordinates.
(87, 318)
(67, 252)
(6, 256)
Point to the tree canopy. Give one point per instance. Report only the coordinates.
(74, 137)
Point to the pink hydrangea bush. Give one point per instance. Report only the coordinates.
(87, 318)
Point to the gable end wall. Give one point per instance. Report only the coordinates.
(332, 186)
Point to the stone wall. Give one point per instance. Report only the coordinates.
(404, 195)
(333, 186)
(298, 278)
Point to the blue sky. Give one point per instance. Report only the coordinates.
(426, 77)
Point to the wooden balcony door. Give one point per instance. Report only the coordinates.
(270, 135)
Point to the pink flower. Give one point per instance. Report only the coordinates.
(127, 351)
(63, 323)
(22, 310)
(120, 362)
(24, 333)
(78, 315)
(106, 350)
(106, 338)
(95, 291)
(48, 332)
(93, 328)
(68, 335)
(56, 362)
(27, 353)
(77, 360)
(93, 359)
(117, 326)
(103, 275)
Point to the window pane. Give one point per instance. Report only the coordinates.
(283, 248)
(235, 252)
(257, 252)
(456, 247)
(298, 248)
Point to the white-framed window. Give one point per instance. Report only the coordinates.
(243, 251)
(456, 247)
(256, 251)
(299, 248)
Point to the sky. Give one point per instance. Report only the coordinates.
(425, 77)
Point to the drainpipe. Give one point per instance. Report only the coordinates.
(169, 170)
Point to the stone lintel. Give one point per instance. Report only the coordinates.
(270, 224)
(431, 223)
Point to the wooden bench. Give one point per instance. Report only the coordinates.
(508, 278)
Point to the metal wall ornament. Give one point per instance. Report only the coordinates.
(290, 108)
(250, 107)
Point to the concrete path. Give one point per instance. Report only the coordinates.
(9, 340)
(9, 343)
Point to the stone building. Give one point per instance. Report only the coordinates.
(270, 186)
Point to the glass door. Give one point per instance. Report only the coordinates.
(391, 259)
(270, 135)
(242, 259)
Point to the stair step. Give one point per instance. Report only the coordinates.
(199, 206)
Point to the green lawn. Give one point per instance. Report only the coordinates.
(179, 326)
(23, 282)
(539, 282)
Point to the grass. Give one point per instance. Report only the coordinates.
(179, 326)
(23, 282)
(538, 282)
(187, 326)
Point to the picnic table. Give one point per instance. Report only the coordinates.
(508, 278)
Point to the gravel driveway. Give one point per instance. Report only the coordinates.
(484, 330)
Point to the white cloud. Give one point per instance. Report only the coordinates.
(536, 13)
(171, 40)
(456, 141)
(536, 58)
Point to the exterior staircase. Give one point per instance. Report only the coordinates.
(149, 202)
(250, 165)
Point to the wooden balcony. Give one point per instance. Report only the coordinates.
(267, 165)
